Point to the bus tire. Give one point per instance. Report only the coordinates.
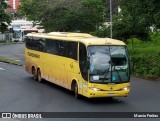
(77, 96)
(39, 78)
(34, 73)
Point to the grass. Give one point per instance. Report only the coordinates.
(146, 47)
(5, 60)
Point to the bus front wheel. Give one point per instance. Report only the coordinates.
(77, 96)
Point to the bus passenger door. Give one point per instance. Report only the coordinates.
(83, 68)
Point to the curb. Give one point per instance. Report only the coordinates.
(10, 61)
(9, 43)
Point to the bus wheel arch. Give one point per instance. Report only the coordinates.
(74, 88)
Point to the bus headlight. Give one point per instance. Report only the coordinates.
(94, 89)
(125, 88)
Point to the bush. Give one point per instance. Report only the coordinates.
(147, 66)
(146, 57)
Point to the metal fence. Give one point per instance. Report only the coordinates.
(5, 37)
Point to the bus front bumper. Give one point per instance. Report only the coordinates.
(94, 94)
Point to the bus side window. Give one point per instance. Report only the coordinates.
(51, 47)
(63, 48)
(41, 45)
(72, 50)
(60, 48)
(56, 47)
(34, 43)
(28, 42)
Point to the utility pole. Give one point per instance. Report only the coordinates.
(110, 6)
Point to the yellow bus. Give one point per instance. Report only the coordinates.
(87, 65)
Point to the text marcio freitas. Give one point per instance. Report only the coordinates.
(146, 115)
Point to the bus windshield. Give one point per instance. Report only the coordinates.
(108, 64)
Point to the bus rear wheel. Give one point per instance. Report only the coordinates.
(39, 78)
(34, 73)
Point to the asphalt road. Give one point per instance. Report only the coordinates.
(13, 51)
(20, 93)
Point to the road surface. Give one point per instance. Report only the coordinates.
(13, 51)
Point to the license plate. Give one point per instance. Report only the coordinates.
(111, 94)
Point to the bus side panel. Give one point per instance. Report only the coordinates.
(54, 69)
(48, 72)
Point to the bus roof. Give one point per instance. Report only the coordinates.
(78, 37)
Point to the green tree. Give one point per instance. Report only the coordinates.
(62, 15)
(136, 18)
(156, 14)
(5, 18)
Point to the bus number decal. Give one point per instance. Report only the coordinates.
(33, 55)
